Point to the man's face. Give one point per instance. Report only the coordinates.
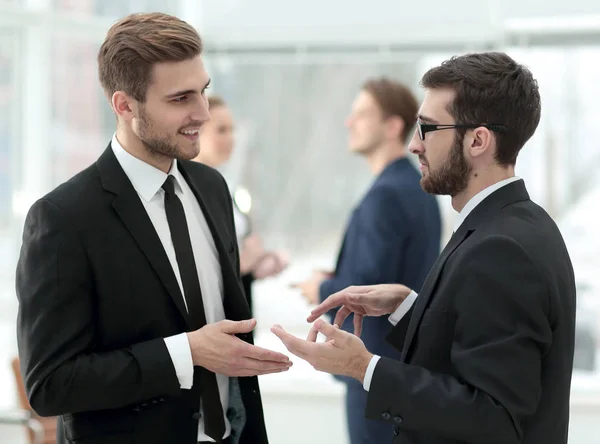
(366, 125)
(444, 166)
(176, 108)
(217, 138)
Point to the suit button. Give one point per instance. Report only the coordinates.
(386, 416)
(154, 401)
(161, 400)
(144, 404)
(398, 420)
(197, 415)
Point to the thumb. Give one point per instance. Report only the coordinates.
(234, 327)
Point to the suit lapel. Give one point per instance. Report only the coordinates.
(486, 210)
(132, 213)
(235, 304)
(429, 286)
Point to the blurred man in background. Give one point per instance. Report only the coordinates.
(393, 234)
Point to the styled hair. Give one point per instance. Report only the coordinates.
(394, 99)
(136, 43)
(491, 88)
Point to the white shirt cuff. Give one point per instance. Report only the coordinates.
(403, 308)
(370, 371)
(181, 355)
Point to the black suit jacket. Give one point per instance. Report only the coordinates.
(97, 295)
(488, 353)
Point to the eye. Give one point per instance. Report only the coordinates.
(180, 99)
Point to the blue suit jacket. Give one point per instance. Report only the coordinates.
(393, 237)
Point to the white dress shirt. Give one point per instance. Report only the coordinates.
(405, 306)
(147, 181)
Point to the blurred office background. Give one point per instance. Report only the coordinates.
(290, 70)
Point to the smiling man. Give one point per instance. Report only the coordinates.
(132, 325)
(487, 344)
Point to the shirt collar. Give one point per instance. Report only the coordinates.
(478, 198)
(146, 179)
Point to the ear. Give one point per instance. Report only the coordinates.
(124, 106)
(480, 141)
(394, 127)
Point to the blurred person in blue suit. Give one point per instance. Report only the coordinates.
(393, 234)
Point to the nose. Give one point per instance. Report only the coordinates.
(348, 122)
(200, 112)
(416, 144)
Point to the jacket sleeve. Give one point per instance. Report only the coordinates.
(501, 334)
(63, 370)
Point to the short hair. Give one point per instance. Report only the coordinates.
(394, 99)
(136, 43)
(215, 102)
(491, 88)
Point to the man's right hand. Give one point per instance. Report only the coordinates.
(215, 348)
(368, 300)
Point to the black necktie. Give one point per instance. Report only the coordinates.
(214, 424)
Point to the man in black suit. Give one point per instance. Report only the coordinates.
(133, 325)
(487, 345)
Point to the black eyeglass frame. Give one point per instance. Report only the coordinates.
(424, 128)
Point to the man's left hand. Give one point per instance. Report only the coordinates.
(342, 354)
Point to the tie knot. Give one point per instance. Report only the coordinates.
(169, 185)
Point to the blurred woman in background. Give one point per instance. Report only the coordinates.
(216, 146)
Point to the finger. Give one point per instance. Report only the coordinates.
(348, 296)
(334, 326)
(358, 320)
(263, 354)
(253, 372)
(335, 300)
(295, 345)
(328, 330)
(258, 366)
(312, 334)
(341, 315)
(235, 327)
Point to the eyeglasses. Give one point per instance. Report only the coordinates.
(424, 128)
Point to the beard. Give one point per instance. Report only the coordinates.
(452, 177)
(161, 145)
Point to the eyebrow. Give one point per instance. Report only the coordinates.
(426, 119)
(187, 91)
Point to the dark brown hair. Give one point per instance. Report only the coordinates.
(136, 43)
(394, 99)
(491, 88)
